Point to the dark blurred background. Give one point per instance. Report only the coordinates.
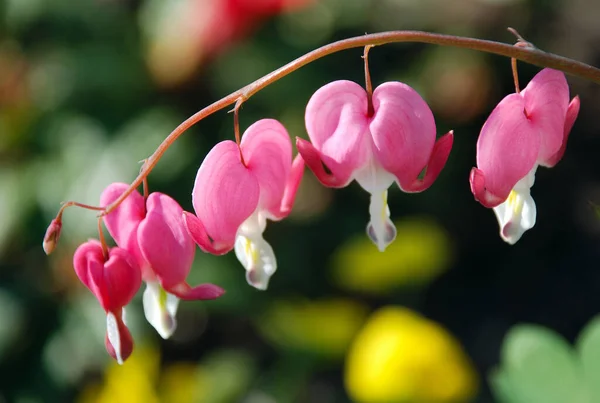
(90, 87)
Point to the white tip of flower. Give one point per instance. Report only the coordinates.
(258, 258)
(112, 331)
(160, 309)
(380, 229)
(516, 215)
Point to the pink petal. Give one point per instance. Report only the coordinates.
(507, 150)
(267, 151)
(115, 281)
(200, 292)
(122, 223)
(126, 341)
(403, 131)
(546, 101)
(164, 240)
(313, 160)
(291, 187)
(572, 113)
(225, 194)
(198, 233)
(88, 257)
(437, 161)
(337, 124)
(477, 181)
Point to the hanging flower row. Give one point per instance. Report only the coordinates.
(376, 137)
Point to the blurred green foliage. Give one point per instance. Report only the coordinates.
(538, 365)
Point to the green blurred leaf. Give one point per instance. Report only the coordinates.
(502, 387)
(588, 347)
(225, 376)
(541, 366)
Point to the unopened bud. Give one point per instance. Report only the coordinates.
(52, 236)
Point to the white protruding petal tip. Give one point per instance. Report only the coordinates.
(516, 215)
(383, 240)
(380, 229)
(258, 258)
(112, 331)
(160, 309)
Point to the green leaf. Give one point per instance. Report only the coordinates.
(501, 385)
(588, 347)
(542, 367)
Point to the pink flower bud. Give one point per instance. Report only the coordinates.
(52, 236)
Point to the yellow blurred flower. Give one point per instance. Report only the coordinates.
(325, 326)
(136, 381)
(400, 356)
(420, 252)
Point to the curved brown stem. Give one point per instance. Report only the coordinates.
(526, 54)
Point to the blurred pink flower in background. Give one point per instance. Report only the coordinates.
(181, 35)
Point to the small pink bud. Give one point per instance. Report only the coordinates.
(52, 236)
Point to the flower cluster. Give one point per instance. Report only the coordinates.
(375, 137)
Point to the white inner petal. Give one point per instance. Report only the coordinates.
(517, 213)
(254, 253)
(112, 331)
(380, 228)
(160, 309)
(373, 178)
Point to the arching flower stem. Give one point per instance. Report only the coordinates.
(527, 54)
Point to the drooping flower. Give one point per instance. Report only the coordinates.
(395, 144)
(237, 189)
(153, 231)
(524, 131)
(114, 280)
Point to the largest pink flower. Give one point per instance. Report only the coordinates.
(394, 144)
(525, 130)
(237, 189)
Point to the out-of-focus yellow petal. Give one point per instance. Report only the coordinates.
(325, 327)
(399, 356)
(133, 382)
(180, 382)
(420, 252)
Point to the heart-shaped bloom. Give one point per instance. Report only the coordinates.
(525, 130)
(237, 189)
(153, 231)
(114, 280)
(395, 144)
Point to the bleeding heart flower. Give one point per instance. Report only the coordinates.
(233, 198)
(153, 231)
(114, 280)
(525, 130)
(395, 144)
